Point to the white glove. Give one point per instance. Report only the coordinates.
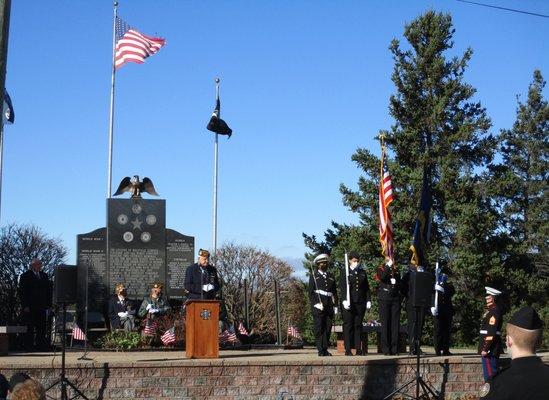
(346, 305)
(439, 288)
(207, 287)
(154, 310)
(319, 306)
(434, 311)
(368, 305)
(393, 281)
(336, 310)
(390, 263)
(122, 314)
(149, 306)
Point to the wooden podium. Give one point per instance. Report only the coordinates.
(201, 330)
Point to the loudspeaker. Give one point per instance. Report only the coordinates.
(421, 289)
(65, 284)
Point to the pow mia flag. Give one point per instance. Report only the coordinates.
(216, 124)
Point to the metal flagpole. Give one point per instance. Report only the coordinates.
(216, 165)
(5, 8)
(111, 117)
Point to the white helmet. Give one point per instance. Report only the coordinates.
(321, 258)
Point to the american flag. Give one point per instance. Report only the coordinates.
(242, 329)
(133, 46)
(168, 337)
(150, 328)
(227, 337)
(293, 332)
(385, 198)
(77, 333)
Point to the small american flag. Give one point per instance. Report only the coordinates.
(242, 329)
(168, 337)
(150, 328)
(385, 198)
(293, 332)
(77, 333)
(227, 337)
(133, 46)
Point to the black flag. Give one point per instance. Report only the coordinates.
(216, 124)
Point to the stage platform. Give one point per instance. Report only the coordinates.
(253, 374)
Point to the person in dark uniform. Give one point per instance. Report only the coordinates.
(121, 309)
(389, 306)
(201, 280)
(490, 344)
(322, 295)
(153, 308)
(527, 378)
(443, 315)
(35, 292)
(415, 315)
(355, 295)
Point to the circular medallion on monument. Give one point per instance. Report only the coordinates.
(122, 219)
(136, 208)
(151, 219)
(146, 237)
(127, 236)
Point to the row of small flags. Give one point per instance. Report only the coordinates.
(227, 336)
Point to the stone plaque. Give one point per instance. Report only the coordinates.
(92, 268)
(179, 255)
(137, 244)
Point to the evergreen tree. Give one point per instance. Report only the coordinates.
(439, 127)
(520, 190)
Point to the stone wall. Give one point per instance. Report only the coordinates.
(229, 379)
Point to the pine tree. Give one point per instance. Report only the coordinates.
(440, 127)
(520, 190)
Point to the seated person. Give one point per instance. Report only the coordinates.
(121, 310)
(153, 307)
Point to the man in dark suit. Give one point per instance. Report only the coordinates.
(355, 295)
(121, 309)
(201, 280)
(35, 292)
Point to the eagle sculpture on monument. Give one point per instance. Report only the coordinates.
(136, 187)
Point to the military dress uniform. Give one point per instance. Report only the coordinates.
(415, 315)
(322, 295)
(388, 293)
(490, 336)
(527, 378)
(444, 316)
(359, 291)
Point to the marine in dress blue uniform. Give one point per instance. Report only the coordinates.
(323, 297)
(490, 344)
(527, 378)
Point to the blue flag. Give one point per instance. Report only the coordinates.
(422, 227)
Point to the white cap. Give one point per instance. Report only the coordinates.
(321, 258)
(491, 291)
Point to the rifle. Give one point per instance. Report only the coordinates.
(348, 298)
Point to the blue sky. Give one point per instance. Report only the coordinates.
(304, 83)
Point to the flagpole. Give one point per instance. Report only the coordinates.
(111, 117)
(5, 10)
(216, 166)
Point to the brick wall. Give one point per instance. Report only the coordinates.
(225, 379)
